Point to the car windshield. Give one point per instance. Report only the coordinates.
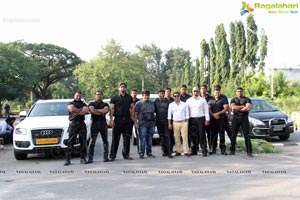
(262, 106)
(49, 109)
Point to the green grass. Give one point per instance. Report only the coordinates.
(258, 146)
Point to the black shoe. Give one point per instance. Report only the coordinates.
(170, 156)
(128, 158)
(193, 154)
(141, 156)
(67, 162)
(83, 161)
(112, 159)
(204, 154)
(89, 161)
(223, 152)
(106, 160)
(250, 155)
(232, 153)
(164, 155)
(150, 156)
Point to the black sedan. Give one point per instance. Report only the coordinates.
(266, 121)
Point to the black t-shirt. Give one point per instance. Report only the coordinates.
(218, 105)
(161, 109)
(207, 98)
(74, 117)
(98, 105)
(122, 105)
(184, 98)
(240, 102)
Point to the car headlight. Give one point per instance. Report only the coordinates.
(20, 131)
(255, 122)
(289, 120)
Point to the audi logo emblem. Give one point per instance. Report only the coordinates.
(46, 132)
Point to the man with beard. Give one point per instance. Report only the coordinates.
(122, 109)
(77, 110)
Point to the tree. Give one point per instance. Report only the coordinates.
(175, 61)
(212, 50)
(223, 55)
(196, 79)
(153, 57)
(17, 73)
(53, 64)
(111, 66)
(252, 42)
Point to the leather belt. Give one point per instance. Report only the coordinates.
(179, 121)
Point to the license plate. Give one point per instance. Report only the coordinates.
(278, 127)
(47, 141)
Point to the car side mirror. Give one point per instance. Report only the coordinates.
(22, 114)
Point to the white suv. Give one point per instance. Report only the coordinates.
(44, 129)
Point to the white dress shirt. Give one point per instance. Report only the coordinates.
(178, 112)
(198, 107)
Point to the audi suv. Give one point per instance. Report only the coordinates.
(44, 129)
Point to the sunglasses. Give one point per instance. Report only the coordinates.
(176, 96)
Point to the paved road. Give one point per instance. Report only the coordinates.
(266, 176)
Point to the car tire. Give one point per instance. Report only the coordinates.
(20, 156)
(284, 137)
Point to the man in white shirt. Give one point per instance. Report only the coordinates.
(178, 112)
(199, 118)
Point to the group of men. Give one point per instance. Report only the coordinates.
(182, 120)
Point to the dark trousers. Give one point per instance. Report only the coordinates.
(96, 127)
(227, 127)
(124, 128)
(244, 124)
(164, 136)
(197, 134)
(217, 129)
(75, 129)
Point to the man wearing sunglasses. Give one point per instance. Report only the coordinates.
(179, 112)
(199, 118)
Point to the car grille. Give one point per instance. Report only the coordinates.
(275, 122)
(46, 134)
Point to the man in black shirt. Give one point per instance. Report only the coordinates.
(183, 95)
(77, 110)
(218, 107)
(161, 109)
(98, 109)
(241, 106)
(122, 109)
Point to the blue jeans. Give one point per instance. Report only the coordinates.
(146, 136)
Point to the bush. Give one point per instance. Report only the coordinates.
(258, 146)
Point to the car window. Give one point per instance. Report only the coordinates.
(49, 109)
(262, 106)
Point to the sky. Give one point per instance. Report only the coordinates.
(85, 26)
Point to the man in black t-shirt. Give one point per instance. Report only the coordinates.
(241, 106)
(122, 109)
(218, 106)
(98, 109)
(161, 109)
(77, 110)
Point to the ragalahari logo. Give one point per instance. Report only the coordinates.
(246, 8)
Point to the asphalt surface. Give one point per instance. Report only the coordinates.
(265, 176)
